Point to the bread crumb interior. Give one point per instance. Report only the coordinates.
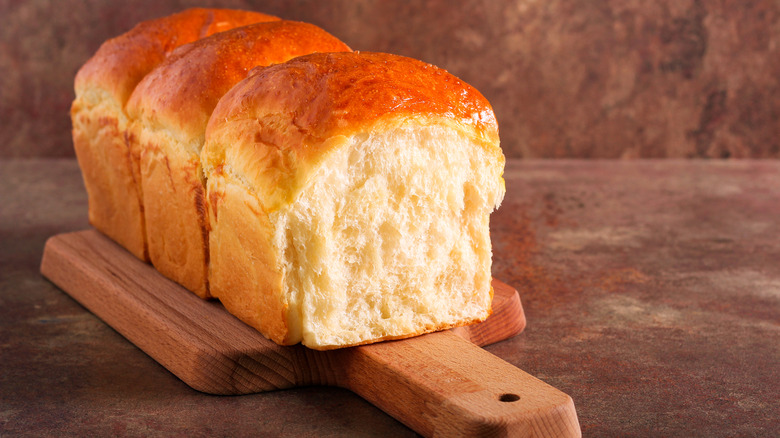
(390, 237)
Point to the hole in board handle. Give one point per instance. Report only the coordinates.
(507, 398)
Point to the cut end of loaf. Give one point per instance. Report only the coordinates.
(390, 238)
(350, 196)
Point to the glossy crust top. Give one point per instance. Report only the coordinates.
(180, 94)
(122, 62)
(274, 126)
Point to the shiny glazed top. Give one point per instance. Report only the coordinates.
(122, 62)
(181, 93)
(328, 94)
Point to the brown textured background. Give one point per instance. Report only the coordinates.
(567, 78)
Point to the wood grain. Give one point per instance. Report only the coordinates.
(438, 384)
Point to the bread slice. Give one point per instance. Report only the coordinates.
(349, 197)
(169, 110)
(107, 159)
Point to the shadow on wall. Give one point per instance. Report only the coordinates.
(578, 79)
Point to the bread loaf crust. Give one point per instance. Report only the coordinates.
(122, 62)
(110, 166)
(169, 110)
(180, 94)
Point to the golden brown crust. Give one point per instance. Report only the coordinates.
(122, 62)
(181, 93)
(325, 94)
(285, 117)
(169, 110)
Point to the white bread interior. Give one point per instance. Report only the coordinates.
(387, 238)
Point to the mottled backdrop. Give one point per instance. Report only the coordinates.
(567, 78)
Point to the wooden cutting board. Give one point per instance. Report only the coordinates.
(439, 384)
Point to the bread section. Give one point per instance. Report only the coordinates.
(349, 198)
(169, 110)
(109, 165)
(325, 197)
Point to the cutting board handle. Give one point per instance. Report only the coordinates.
(441, 385)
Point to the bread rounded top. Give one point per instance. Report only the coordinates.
(274, 126)
(122, 62)
(181, 93)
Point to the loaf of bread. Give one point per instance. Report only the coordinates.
(326, 197)
(349, 197)
(110, 167)
(168, 113)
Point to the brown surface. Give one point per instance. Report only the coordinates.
(668, 78)
(651, 291)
